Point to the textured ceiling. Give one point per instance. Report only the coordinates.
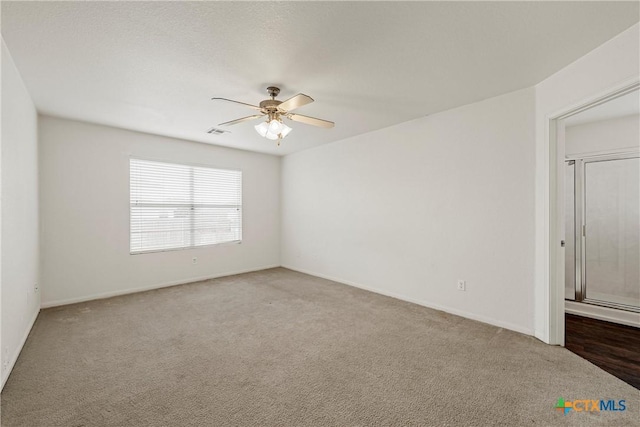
(153, 66)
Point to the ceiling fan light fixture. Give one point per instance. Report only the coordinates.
(275, 126)
(271, 136)
(262, 129)
(285, 131)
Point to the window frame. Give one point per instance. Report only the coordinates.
(188, 164)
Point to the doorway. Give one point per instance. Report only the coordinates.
(598, 152)
(600, 149)
(602, 230)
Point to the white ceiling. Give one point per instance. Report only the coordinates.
(622, 106)
(154, 66)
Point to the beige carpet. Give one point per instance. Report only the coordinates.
(280, 348)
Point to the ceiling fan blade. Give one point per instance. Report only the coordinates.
(295, 101)
(244, 119)
(255, 107)
(310, 120)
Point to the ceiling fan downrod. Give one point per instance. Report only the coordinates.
(273, 91)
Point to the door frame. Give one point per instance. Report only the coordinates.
(555, 201)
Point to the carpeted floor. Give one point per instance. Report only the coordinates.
(280, 348)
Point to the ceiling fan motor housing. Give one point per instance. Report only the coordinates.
(270, 107)
(270, 104)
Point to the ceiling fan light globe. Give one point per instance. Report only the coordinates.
(275, 127)
(262, 129)
(271, 136)
(285, 130)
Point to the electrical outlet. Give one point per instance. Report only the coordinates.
(462, 285)
(194, 260)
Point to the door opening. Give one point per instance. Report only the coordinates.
(591, 145)
(602, 232)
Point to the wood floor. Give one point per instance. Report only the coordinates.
(610, 346)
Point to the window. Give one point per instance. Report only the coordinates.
(180, 206)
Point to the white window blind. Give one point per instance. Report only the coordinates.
(177, 206)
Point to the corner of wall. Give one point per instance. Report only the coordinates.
(20, 267)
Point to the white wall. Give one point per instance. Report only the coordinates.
(408, 210)
(611, 64)
(85, 212)
(19, 187)
(603, 135)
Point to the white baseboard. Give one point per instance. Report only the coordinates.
(148, 288)
(16, 353)
(603, 313)
(461, 313)
(541, 336)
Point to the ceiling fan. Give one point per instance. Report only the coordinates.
(274, 128)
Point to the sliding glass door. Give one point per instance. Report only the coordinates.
(612, 231)
(602, 255)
